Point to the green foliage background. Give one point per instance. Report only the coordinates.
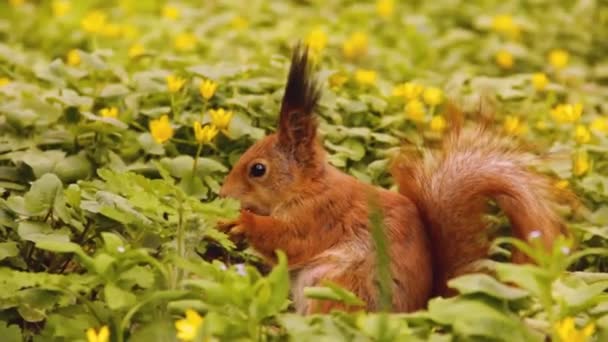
(101, 225)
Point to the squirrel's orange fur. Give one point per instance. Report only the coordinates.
(318, 215)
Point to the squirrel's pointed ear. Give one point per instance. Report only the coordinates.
(297, 123)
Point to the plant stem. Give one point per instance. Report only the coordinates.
(181, 252)
(195, 163)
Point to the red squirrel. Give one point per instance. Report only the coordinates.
(292, 199)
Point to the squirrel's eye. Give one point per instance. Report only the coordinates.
(257, 170)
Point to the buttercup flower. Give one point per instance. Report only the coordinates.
(562, 184)
(541, 125)
(540, 81)
(129, 31)
(408, 90)
(16, 3)
(365, 77)
(185, 42)
(316, 40)
(239, 23)
(161, 129)
(94, 22)
(432, 96)
(60, 8)
(110, 112)
(513, 125)
(567, 113)
(136, 50)
(385, 8)
(170, 12)
(111, 30)
(558, 58)
(337, 80)
(504, 59)
(103, 335)
(175, 83)
(187, 328)
(580, 163)
(414, 110)
(207, 89)
(355, 46)
(505, 25)
(600, 125)
(204, 135)
(582, 134)
(73, 57)
(220, 118)
(438, 124)
(567, 331)
(4, 81)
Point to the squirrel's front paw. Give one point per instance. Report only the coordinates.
(233, 228)
(236, 228)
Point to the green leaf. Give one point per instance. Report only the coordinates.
(10, 333)
(117, 298)
(333, 292)
(60, 246)
(475, 283)
(44, 194)
(8, 250)
(41, 232)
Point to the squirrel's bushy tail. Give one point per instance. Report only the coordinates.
(451, 189)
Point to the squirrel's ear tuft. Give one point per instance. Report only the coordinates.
(297, 123)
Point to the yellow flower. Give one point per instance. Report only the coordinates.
(111, 30)
(4, 81)
(414, 110)
(600, 125)
(408, 90)
(580, 163)
(110, 112)
(73, 57)
(220, 118)
(337, 80)
(161, 129)
(505, 25)
(204, 135)
(541, 125)
(513, 125)
(239, 23)
(385, 8)
(365, 77)
(187, 328)
(103, 335)
(136, 50)
(562, 184)
(558, 58)
(432, 96)
(355, 46)
(60, 8)
(175, 83)
(94, 22)
(582, 134)
(540, 81)
(130, 31)
(16, 3)
(438, 124)
(185, 42)
(207, 89)
(170, 12)
(567, 331)
(316, 40)
(504, 59)
(567, 113)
